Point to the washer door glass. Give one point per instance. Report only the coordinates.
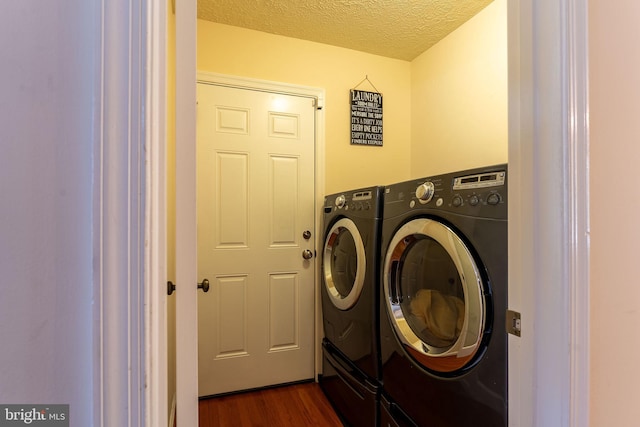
(434, 295)
(344, 264)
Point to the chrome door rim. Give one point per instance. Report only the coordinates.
(469, 340)
(346, 302)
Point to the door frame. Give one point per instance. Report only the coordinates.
(129, 325)
(185, 213)
(560, 55)
(312, 93)
(549, 212)
(155, 232)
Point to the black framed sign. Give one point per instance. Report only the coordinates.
(366, 118)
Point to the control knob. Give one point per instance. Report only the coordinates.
(457, 201)
(425, 191)
(494, 199)
(340, 201)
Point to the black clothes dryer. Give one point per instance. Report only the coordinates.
(350, 304)
(443, 300)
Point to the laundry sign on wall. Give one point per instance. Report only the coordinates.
(366, 118)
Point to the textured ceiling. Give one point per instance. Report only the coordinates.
(400, 29)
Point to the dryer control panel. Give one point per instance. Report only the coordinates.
(481, 180)
(478, 192)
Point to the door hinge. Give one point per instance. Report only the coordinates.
(316, 104)
(514, 324)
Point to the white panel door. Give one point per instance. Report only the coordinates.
(255, 200)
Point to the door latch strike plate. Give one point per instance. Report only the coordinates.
(514, 324)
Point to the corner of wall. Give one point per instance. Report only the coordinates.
(459, 104)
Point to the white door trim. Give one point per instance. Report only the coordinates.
(121, 217)
(579, 196)
(263, 85)
(185, 250)
(548, 218)
(155, 308)
(319, 95)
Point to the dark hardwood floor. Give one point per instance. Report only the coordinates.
(299, 405)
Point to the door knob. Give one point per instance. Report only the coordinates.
(204, 285)
(171, 287)
(306, 234)
(307, 254)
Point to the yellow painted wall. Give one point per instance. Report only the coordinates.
(459, 97)
(235, 51)
(614, 85)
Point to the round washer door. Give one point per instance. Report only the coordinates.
(434, 296)
(344, 264)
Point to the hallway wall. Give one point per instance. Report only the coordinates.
(48, 113)
(614, 70)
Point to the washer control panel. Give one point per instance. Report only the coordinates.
(364, 201)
